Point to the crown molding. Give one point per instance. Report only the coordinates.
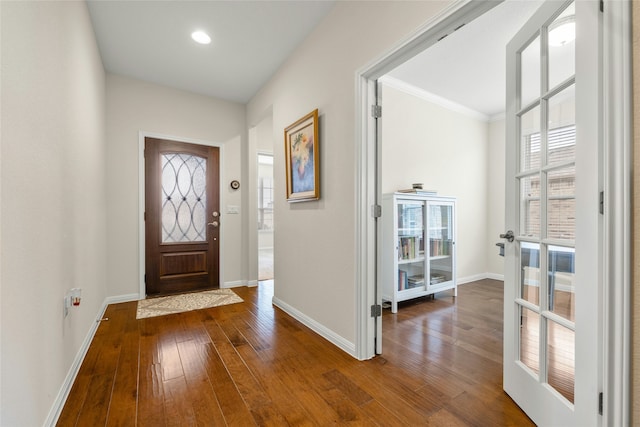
(433, 98)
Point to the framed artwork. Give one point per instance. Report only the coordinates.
(303, 159)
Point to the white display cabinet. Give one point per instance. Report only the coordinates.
(418, 246)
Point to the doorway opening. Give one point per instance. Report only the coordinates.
(442, 128)
(265, 216)
(445, 134)
(260, 204)
(370, 187)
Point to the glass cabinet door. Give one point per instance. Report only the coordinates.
(411, 258)
(441, 243)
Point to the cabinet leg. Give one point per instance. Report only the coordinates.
(455, 291)
(394, 307)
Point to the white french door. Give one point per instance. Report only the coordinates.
(553, 271)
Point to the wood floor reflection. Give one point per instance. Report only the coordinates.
(251, 364)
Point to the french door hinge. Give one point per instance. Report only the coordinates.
(601, 5)
(602, 203)
(376, 111)
(376, 211)
(601, 403)
(376, 310)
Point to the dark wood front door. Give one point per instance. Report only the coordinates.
(182, 216)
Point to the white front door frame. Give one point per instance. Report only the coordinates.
(617, 194)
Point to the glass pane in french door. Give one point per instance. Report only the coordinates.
(530, 206)
(561, 276)
(529, 339)
(561, 203)
(547, 212)
(530, 272)
(530, 74)
(530, 139)
(561, 127)
(561, 356)
(562, 50)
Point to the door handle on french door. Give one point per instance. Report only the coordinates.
(508, 235)
(214, 223)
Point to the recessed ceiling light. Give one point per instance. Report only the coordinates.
(201, 37)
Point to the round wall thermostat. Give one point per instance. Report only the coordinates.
(235, 184)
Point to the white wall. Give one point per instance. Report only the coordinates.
(53, 199)
(496, 186)
(134, 106)
(264, 129)
(315, 241)
(447, 151)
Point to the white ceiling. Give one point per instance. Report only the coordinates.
(151, 40)
(468, 67)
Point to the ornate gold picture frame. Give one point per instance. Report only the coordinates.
(301, 148)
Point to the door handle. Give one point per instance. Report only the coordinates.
(215, 223)
(508, 235)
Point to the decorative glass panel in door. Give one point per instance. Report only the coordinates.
(184, 198)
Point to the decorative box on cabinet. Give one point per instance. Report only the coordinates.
(418, 246)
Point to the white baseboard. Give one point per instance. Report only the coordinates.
(65, 389)
(121, 298)
(345, 345)
(61, 398)
(239, 283)
(234, 284)
(495, 276)
(480, 276)
(473, 278)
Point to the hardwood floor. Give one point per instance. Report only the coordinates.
(251, 364)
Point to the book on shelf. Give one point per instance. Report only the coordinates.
(402, 280)
(437, 278)
(416, 280)
(439, 247)
(410, 247)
